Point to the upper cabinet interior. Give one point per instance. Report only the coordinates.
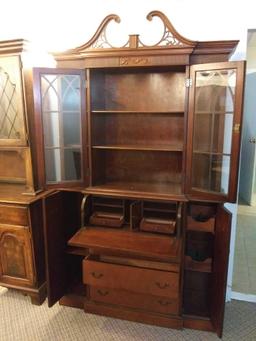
(150, 120)
(137, 129)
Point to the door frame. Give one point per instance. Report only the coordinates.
(234, 209)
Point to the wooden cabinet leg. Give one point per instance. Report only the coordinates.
(38, 298)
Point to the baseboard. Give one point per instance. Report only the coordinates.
(243, 297)
(132, 314)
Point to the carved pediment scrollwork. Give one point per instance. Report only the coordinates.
(169, 39)
(100, 39)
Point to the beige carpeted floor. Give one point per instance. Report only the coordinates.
(244, 275)
(21, 321)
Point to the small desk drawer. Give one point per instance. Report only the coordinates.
(138, 280)
(129, 299)
(13, 215)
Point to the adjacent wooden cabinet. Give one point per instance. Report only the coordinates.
(21, 214)
(22, 263)
(18, 155)
(136, 150)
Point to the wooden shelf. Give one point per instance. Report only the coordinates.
(137, 112)
(127, 242)
(162, 191)
(77, 251)
(107, 205)
(210, 153)
(159, 210)
(18, 193)
(160, 148)
(213, 112)
(12, 148)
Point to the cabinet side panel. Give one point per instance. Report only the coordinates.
(36, 217)
(220, 267)
(31, 130)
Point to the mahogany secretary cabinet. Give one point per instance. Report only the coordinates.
(137, 148)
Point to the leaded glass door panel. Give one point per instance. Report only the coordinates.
(61, 94)
(215, 107)
(12, 121)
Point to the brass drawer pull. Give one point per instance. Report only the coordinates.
(96, 275)
(164, 303)
(102, 293)
(162, 286)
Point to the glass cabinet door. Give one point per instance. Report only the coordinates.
(215, 106)
(61, 95)
(12, 122)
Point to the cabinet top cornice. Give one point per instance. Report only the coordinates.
(14, 46)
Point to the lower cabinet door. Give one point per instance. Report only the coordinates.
(16, 260)
(132, 300)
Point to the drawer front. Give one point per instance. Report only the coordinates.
(138, 280)
(13, 215)
(155, 225)
(129, 299)
(106, 219)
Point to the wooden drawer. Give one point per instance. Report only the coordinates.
(158, 225)
(138, 280)
(107, 219)
(129, 299)
(13, 215)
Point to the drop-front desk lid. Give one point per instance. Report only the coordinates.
(126, 242)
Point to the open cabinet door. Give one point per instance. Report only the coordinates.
(62, 218)
(220, 267)
(214, 127)
(61, 127)
(55, 245)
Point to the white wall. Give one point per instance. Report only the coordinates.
(58, 25)
(64, 24)
(247, 183)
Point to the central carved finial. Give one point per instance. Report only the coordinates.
(134, 41)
